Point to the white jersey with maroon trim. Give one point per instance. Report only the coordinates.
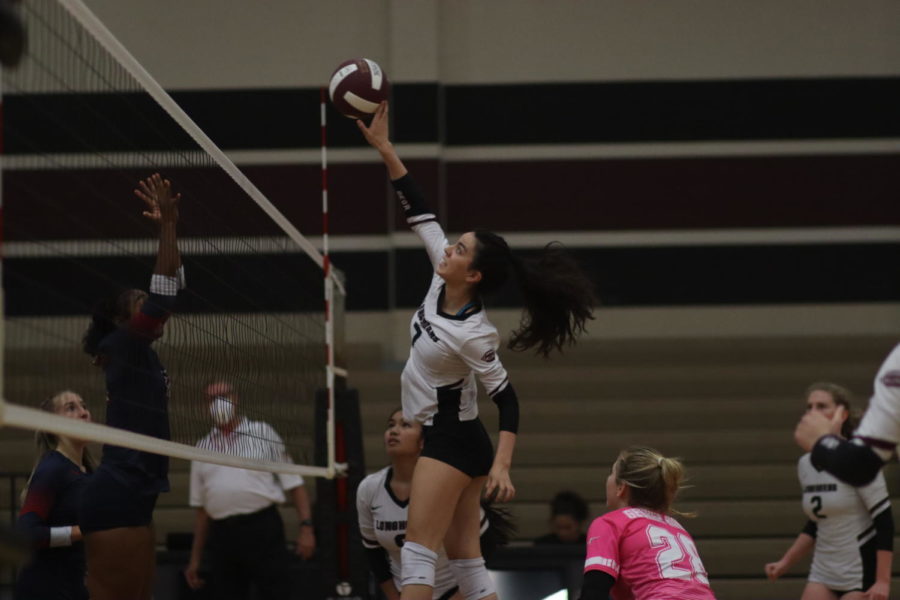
(880, 426)
(447, 350)
(844, 522)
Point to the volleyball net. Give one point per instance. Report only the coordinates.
(83, 122)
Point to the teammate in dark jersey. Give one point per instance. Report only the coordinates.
(452, 342)
(117, 507)
(50, 507)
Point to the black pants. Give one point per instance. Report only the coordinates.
(249, 550)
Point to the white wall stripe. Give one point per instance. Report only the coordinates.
(311, 156)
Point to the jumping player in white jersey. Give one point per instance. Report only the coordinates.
(638, 551)
(850, 530)
(857, 461)
(382, 501)
(452, 340)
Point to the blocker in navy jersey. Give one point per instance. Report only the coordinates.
(850, 525)
(123, 491)
(57, 568)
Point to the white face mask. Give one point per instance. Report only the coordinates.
(222, 410)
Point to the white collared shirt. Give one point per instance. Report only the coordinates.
(229, 491)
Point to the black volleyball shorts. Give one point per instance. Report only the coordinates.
(464, 445)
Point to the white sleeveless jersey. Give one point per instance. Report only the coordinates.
(382, 522)
(447, 350)
(844, 521)
(880, 426)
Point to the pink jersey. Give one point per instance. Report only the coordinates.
(650, 555)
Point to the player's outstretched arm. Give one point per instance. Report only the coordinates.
(377, 134)
(162, 209)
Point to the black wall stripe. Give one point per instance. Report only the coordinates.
(673, 111)
(676, 276)
(537, 113)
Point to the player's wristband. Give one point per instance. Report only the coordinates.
(306, 523)
(411, 199)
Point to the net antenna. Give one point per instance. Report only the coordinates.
(218, 338)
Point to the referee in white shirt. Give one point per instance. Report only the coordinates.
(237, 509)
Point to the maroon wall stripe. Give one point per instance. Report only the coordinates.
(603, 195)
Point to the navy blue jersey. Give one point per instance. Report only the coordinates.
(137, 389)
(57, 567)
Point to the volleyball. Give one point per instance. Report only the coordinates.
(357, 87)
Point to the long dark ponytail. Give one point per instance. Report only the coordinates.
(558, 296)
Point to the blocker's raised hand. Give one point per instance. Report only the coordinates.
(156, 192)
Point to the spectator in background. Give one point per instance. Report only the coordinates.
(568, 515)
(237, 509)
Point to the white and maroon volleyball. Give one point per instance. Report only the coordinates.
(357, 87)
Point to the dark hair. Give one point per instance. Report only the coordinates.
(654, 480)
(571, 504)
(501, 528)
(45, 442)
(105, 317)
(842, 397)
(557, 294)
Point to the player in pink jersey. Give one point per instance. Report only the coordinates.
(637, 551)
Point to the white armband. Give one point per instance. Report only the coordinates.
(60, 536)
(166, 285)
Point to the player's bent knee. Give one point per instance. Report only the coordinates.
(472, 578)
(417, 564)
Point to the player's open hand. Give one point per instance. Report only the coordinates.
(161, 204)
(774, 570)
(814, 425)
(377, 131)
(499, 487)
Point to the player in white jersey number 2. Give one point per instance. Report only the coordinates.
(850, 530)
(452, 341)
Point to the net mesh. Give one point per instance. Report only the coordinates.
(79, 132)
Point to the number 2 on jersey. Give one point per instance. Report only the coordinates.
(816, 502)
(673, 547)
